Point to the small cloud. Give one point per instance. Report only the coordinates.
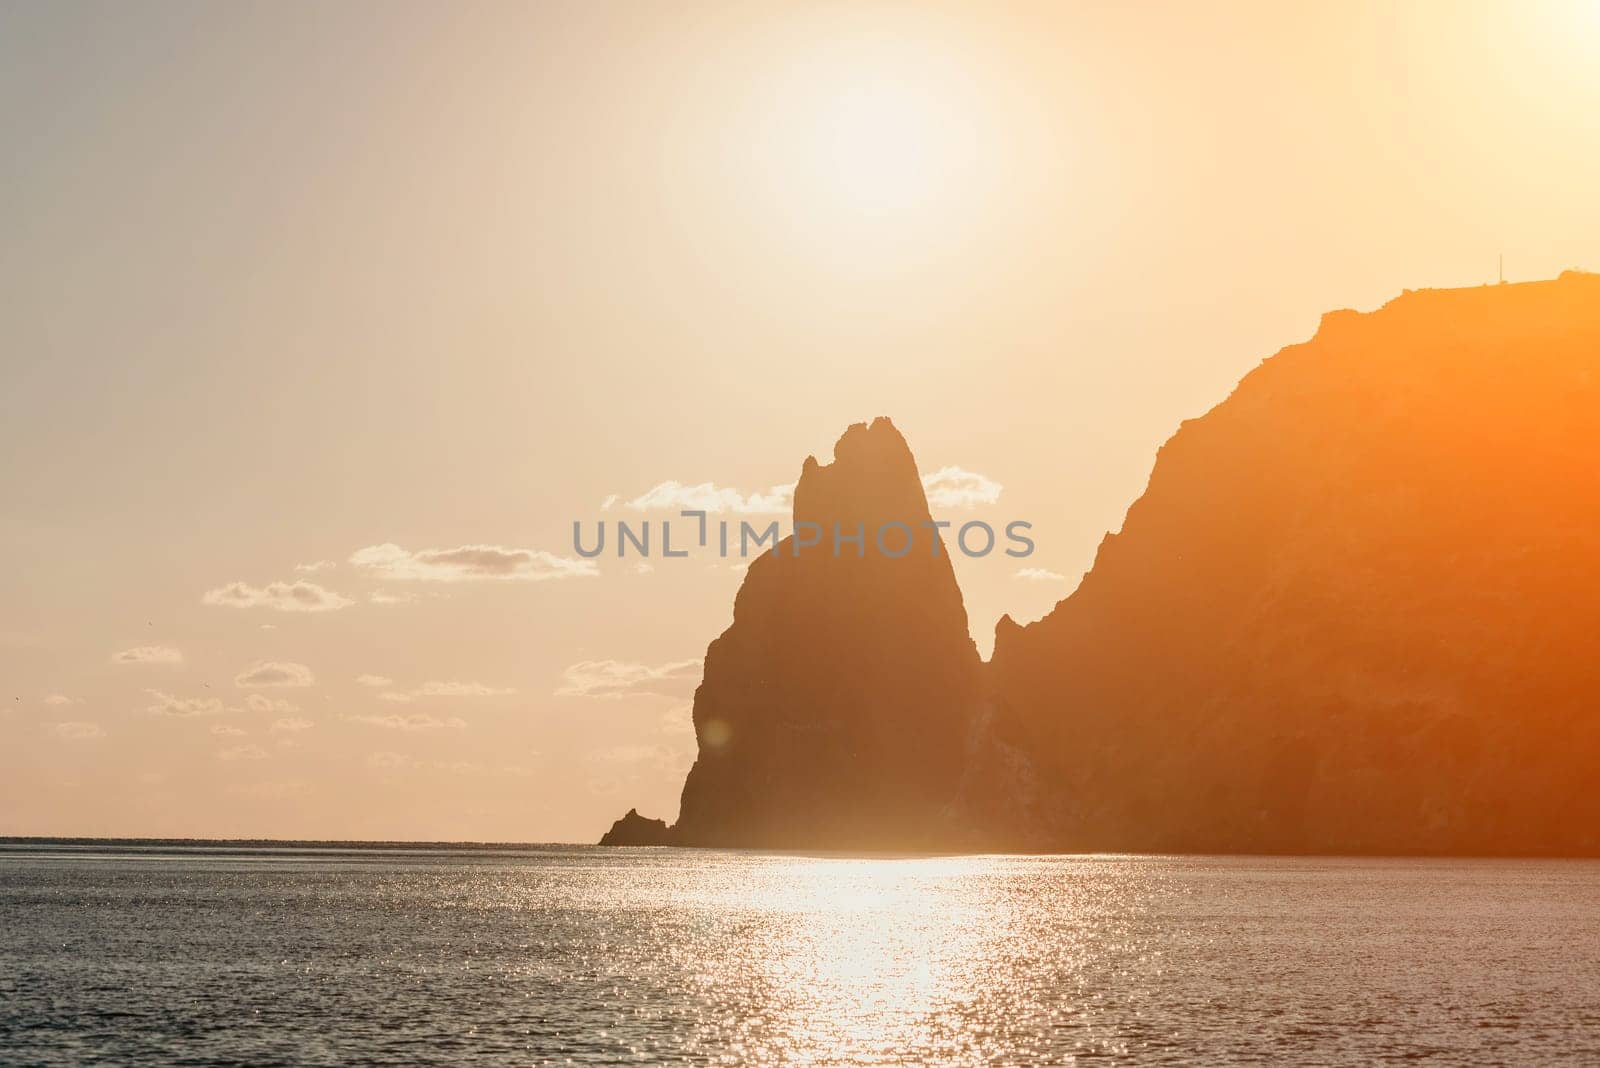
(679, 719)
(708, 497)
(297, 596)
(951, 487)
(1039, 574)
(227, 730)
(614, 678)
(468, 563)
(408, 721)
(607, 504)
(459, 689)
(385, 597)
(183, 707)
(269, 626)
(657, 755)
(374, 680)
(436, 688)
(261, 703)
(313, 568)
(58, 699)
(149, 654)
(642, 568)
(458, 767)
(389, 761)
(294, 723)
(78, 732)
(271, 791)
(274, 673)
(243, 752)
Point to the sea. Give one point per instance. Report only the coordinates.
(295, 954)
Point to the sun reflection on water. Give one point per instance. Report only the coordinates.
(870, 961)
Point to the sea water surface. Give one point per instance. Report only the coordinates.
(159, 954)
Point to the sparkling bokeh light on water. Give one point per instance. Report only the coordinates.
(154, 954)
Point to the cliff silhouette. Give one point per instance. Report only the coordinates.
(833, 712)
(1354, 611)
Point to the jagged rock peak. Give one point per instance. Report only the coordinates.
(873, 477)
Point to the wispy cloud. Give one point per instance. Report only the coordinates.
(165, 704)
(468, 563)
(709, 497)
(261, 703)
(272, 791)
(435, 688)
(616, 678)
(678, 720)
(387, 597)
(274, 673)
(149, 654)
(408, 721)
(459, 689)
(661, 756)
(313, 568)
(243, 752)
(458, 767)
(59, 699)
(297, 596)
(74, 731)
(292, 723)
(374, 680)
(948, 487)
(227, 730)
(1039, 574)
(952, 487)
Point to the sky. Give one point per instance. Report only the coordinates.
(320, 326)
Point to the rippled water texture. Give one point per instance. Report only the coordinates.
(310, 957)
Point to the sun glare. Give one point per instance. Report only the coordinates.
(883, 147)
(877, 145)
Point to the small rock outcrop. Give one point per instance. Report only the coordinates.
(636, 830)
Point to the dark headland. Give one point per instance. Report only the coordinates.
(1356, 610)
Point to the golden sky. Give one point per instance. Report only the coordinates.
(296, 300)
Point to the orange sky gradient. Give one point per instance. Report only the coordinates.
(292, 296)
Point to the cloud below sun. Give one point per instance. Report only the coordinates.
(297, 596)
(467, 563)
(948, 487)
(612, 679)
(149, 654)
(274, 673)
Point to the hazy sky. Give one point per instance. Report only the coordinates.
(282, 283)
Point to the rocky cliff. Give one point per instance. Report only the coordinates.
(1356, 608)
(833, 712)
(1354, 611)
